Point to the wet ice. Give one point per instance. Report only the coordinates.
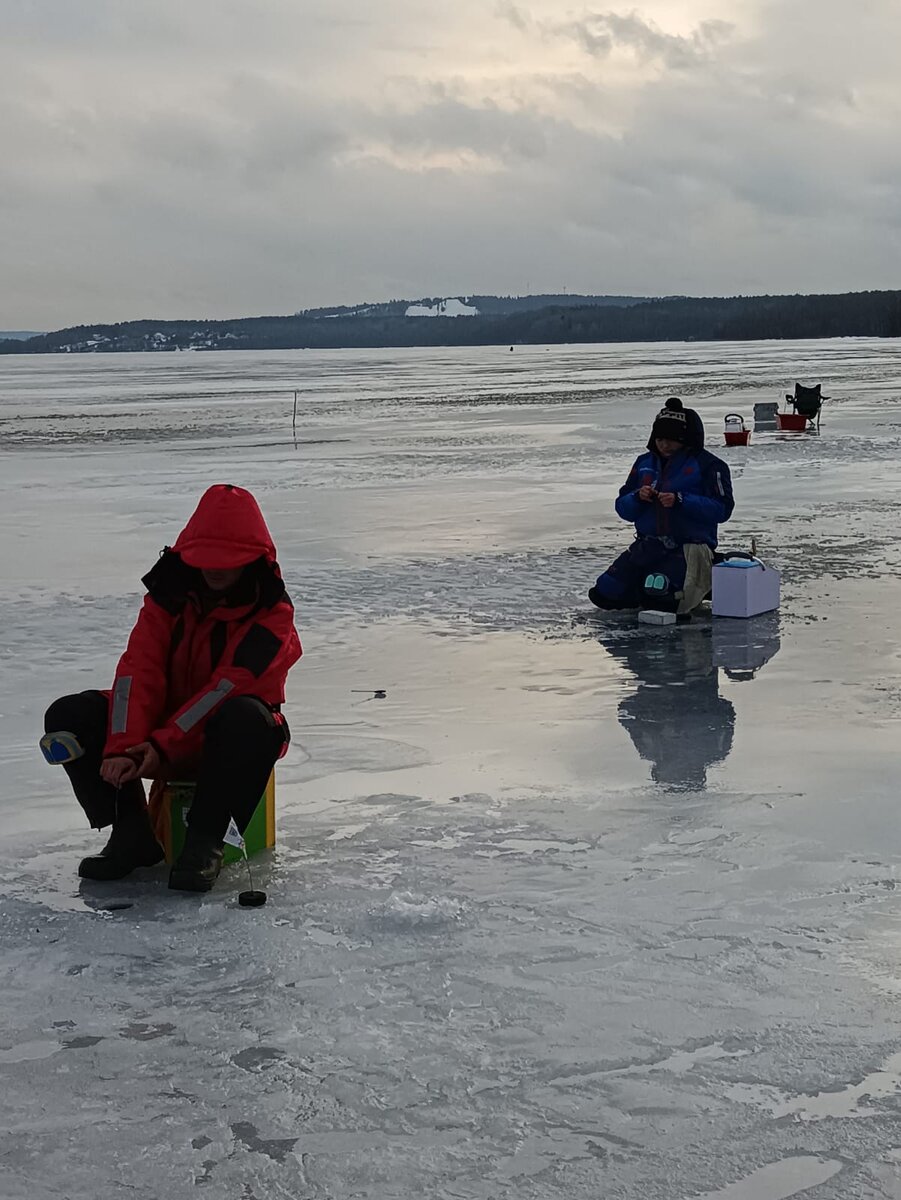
(576, 909)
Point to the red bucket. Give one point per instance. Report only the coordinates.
(740, 438)
(791, 422)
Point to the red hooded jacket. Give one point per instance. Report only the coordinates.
(183, 656)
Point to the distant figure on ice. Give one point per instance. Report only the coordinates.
(677, 494)
(197, 695)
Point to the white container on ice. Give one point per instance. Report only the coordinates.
(744, 587)
(650, 616)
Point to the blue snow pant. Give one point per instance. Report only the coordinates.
(651, 574)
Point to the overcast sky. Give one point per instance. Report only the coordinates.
(235, 157)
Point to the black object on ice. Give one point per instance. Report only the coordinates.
(252, 898)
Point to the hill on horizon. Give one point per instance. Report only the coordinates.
(476, 305)
(462, 321)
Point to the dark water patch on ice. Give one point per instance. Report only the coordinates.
(248, 1135)
(139, 1031)
(257, 1058)
(81, 1043)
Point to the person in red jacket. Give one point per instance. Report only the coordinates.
(197, 694)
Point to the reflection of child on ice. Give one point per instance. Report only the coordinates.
(197, 694)
(677, 494)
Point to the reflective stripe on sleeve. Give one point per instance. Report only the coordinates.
(121, 692)
(204, 705)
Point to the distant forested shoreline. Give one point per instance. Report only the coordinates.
(516, 321)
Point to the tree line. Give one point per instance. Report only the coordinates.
(738, 318)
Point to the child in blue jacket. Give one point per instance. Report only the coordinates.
(677, 495)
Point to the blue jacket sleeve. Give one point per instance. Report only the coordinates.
(717, 503)
(628, 506)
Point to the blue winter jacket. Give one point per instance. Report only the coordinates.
(703, 488)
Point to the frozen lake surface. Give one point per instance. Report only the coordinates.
(579, 909)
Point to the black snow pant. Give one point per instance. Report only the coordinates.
(650, 573)
(242, 741)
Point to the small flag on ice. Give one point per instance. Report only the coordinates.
(233, 835)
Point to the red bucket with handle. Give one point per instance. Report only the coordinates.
(735, 432)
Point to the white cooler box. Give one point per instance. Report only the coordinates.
(743, 588)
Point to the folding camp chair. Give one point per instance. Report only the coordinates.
(807, 402)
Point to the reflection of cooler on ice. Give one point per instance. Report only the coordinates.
(170, 826)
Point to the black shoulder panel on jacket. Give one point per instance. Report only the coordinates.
(257, 650)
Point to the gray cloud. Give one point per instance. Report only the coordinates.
(240, 156)
(601, 33)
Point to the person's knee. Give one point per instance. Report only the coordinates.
(599, 600)
(659, 593)
(237, 719)
(58, 714)
(74, 713)
(609, 592)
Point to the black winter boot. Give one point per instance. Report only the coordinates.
(199, 863)
(131, 844)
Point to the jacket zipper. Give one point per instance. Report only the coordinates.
(662, 514)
